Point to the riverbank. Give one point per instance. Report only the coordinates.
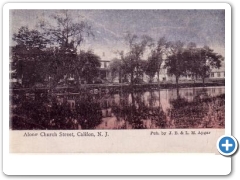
(155, 86)
(115, 88)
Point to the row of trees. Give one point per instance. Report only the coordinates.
(180, 59)
(52, 52)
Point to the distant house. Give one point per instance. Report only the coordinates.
(215, 73)
(104, 68)
(218, 73)
(104, 73)
(163, 76)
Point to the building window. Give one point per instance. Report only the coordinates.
(105, 64)
(218, 74)
(212, 74)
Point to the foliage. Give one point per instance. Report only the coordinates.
(88, 66)
(28, 54)
(27, 62)
(116, 69)
(194, 61)
(201, 61)
(176, 63)
(31, 39)
(89, 113)
(132, 60)
(51, 55)
(63, 30)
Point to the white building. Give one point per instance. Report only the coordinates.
(218, 73)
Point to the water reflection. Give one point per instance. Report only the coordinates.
(186, 108)
(202, 112)
(88, 113)
(137, 113)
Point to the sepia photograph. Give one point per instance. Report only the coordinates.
(117, 69)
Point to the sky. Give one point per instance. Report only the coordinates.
(203, 27)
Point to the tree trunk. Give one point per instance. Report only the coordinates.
(177, 81)
(133, 98)
(137, 71)
(177, 77)
(203, 80)
(120, 77)
(158, 80)
(78, 79)
(150, 79)
(132, 78)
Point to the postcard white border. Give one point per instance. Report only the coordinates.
(95, 164)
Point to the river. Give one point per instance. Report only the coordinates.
(202, 107)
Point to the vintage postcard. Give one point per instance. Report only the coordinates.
(116, 80)
(95, 85)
